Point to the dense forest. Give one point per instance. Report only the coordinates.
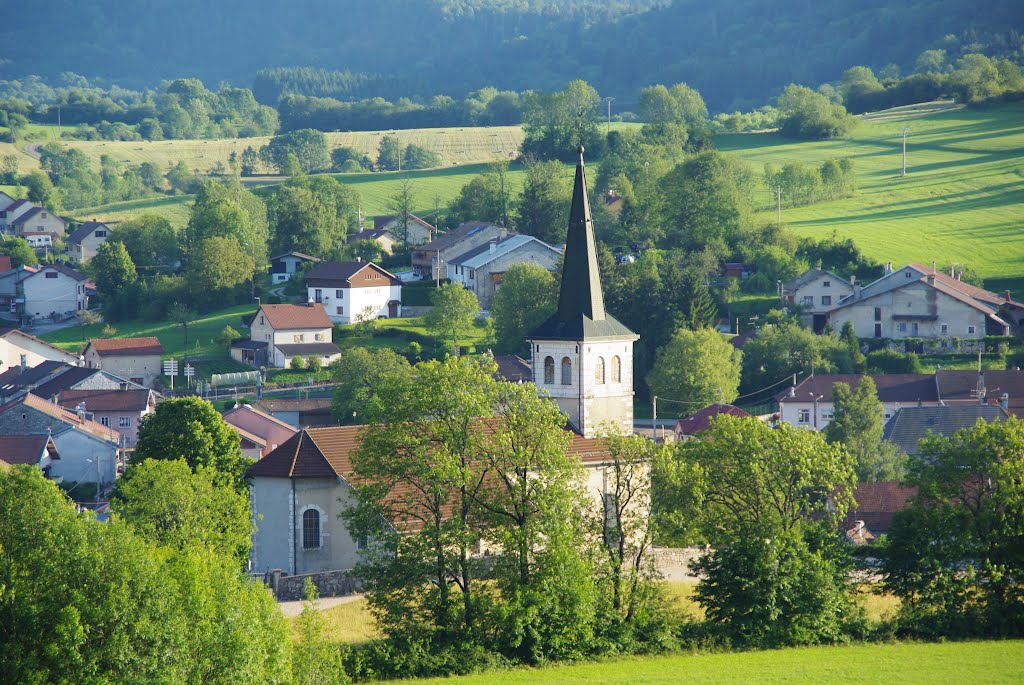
(737, 54)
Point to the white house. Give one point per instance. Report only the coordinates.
(284, 266)
(351, 291)
(18, 348)
(419, 231)
(85, 241)
(920, 302)
(810, 404)
(38, 220)
(818, 292)
(293, 330)
(12, 212)
(54, 290)
(483, 268)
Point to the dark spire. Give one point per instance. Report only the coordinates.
(581, 281)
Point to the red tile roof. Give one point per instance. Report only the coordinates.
(5, 264)
(24, 449)
(700, 421)
(124, 347)
(105, 400)
(876, 504)
(69, 417)
(287, 316)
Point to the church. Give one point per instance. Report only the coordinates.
(583, 357)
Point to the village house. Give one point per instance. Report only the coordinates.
(137, 359)
(121, 409)
(698, 422)
(88, 451)
(85, 241)
(284, 266)
(12, 212)
(420, 231)
(876, 504)
(286, 331)
(450, 245)
(299, 413)
(38, 220)
(817, 292)
(909, 424)
(12, 299)
(382, 236)
(354, 291)
(260, 432)
(19, 349)
(482, 269)
(54, 291)
(920, 302)
(809, 404)
(33, 450)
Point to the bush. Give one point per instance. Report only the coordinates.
(313, 364)
(891, 361)
(298, 363)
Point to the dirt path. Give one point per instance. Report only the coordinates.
(290, 609)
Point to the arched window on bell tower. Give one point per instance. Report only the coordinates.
(616, 369)
(599, 371)
(549, 370)
(566, 371)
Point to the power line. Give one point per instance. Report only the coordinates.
(749, 394)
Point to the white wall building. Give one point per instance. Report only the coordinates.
(351, 291)
(294, 330)
(817, 292)
(54, 290)
(810, 404)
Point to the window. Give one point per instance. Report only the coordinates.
(804, 416)
(311, 529)
(913, 329)
(319, 337)
(616, 369)
(101, 234)
(566, 371)
(361, 543)
(826, 284)
(826, 299)
(970, 330)
(944, 328)
(827, 414)
(901, 327)
(261, 320)
(878, 313)
(549, 371)
(24, 360)
(105, 421)
(599, 371)
(298, 337)
(124, 421)
(51, 274)
(341, 310)
(42, 215)
(809, 300)
(318, 295)
(339, 294)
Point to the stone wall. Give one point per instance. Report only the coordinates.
(329, 584)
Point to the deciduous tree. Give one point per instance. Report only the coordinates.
(698, 367)
(527, 297)
(453, 315)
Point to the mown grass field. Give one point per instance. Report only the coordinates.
(978, 663)
(961, 201)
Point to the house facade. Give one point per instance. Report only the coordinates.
(120, 409)
(54, 291)
(13, 212)
(137, 359)
(817, 292)
(382, 236)
(809, 404)
(420, 231)
(34, 450)
(351, 291)
(38, 220)
(284, 266)
(483, 268)
(258, 428)
(458, 241)
(19, 349)
(919, 302)
(85, 241)
(294, 330)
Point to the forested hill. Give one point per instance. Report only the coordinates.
(736, 52)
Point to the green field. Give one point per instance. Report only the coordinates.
(175, 209)
(977, 663)
(961, 201)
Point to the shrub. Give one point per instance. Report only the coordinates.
(298, 363)
(313, 363)
(891, 361)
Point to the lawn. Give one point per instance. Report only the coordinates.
(174, 208)
(978, 663)
(961, 201)
(349, 623)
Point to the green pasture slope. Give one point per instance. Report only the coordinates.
(978, 663)
(961, 201)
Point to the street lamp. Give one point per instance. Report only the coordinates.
(815, 399)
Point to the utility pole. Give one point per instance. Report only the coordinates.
(654, 416)
(778, 192)
(904, 171)
(609, 100)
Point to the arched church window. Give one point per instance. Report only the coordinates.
(566, 371)
(616, 369)
(599, 371)
(549, 370)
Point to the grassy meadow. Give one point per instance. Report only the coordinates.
(961, 201)
(978, 663)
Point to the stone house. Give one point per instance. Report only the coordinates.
(284, 266)
(920, 302)
(85, 241)
(293, 330)
(88, 451)
(35, 450)
(455, 242)
(121, 409)
(420, 231)
(54, 290)
(817, 292)
(482, 268)
(137, 359)
(349, 291)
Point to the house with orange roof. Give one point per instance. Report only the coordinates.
(260, 432)
(280, 332)
(137, 359)
(89, 452)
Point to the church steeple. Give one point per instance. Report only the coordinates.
(581, 293)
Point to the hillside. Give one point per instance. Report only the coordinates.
(961, 201)
(736, 53)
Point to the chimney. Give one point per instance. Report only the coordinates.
(124, 386)
(792, 391)
(853, 280)
(1007, 295)
(858, 526)
(1004, 401)
(933, 267)
(503, 233)
(888, 268)
(931, 278)
(494, 245)
(80, 410)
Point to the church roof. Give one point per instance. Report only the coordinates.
(581, 314)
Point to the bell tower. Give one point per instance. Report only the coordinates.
(583, 357)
